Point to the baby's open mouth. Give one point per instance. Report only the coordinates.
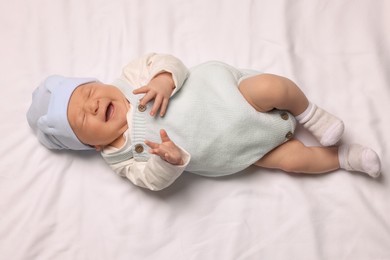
(109, 111)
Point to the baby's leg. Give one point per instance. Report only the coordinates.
(294, 156)
(266, 92)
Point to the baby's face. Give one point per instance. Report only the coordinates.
(97, 113)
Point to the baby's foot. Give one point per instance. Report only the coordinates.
(326, 127)
(359, 158)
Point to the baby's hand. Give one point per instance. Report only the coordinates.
(167, 150)
(160, 89)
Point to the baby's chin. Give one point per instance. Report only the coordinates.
(118, 142)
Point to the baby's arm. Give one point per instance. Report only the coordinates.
(160, 171)
(158, 76)
(139, 72)
(155, 174)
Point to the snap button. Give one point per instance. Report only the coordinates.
(141, 108)
(289, 135)
(139, 148)
(284, 115)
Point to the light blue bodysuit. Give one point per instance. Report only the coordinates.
(211, 120)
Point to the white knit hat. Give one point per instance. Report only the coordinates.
(47, 115)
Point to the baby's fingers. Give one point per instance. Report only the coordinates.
(164, 105)
(150, 95)
(164, 136)
(156, 151)
(141, 90)
(159, 152)
(156, 105)
(152, 144)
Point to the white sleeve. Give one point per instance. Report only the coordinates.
(154, 174)
(139, 72)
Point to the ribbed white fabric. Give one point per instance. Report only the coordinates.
(325, 127)
(356, 157)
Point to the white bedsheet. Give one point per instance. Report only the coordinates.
(61, 205)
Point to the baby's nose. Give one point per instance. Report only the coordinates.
(92, 106)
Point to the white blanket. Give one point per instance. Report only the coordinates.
(66, 205)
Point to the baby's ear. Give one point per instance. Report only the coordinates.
(98, 148)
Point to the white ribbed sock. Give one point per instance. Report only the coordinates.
(326, 127)
(307, 114)
(356, 157)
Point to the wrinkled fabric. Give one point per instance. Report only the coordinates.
(60, 205)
